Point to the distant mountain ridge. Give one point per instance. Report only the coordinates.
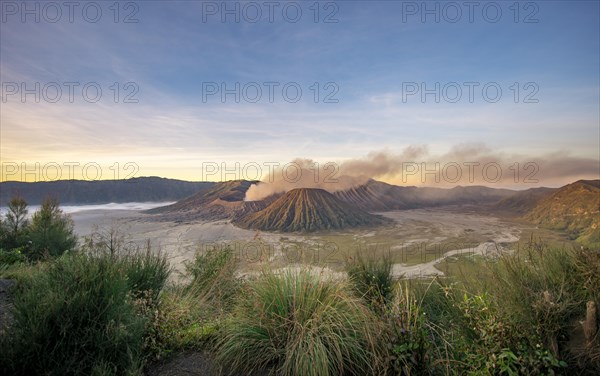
(522, 202)
(574, 208)
(308, 210)
(378, 196)
(102, 191)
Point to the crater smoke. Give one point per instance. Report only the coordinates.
(463, 164)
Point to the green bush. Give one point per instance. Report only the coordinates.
(76, 316)
(179, 322)
(490, 343)
(296, 323)
(443, 329)
(518, 320)
(147, 273)
(12, 256)
(543, 293)
(50, 233)
(147, 270)
(188, 315)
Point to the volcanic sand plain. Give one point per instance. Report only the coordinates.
(419, 242)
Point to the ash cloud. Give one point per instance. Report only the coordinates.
(304, 173)
(463, 164)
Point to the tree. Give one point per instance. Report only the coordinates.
(3, 234)
(15, 224)
(51, 231)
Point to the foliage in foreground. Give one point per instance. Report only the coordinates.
(188, 316)
(372, 279)
(48, 234)
(297, 323)
(76, 315)
(179, 322)
(544, 292)
(213, 279)
(524, 320)
(106, 312)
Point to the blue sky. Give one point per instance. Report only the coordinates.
(367, 57)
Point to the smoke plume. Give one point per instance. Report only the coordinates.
(463, 164)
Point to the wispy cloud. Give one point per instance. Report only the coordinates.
(368, 54)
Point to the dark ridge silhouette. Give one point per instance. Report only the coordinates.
(80, 192)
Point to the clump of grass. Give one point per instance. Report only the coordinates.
(213, 280)
(147, 272)
(296, 323)
(519, 319)
(75, 315)
(372, 279)
(409, 341)
(440, 328)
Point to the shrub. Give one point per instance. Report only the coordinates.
(177, 323)
(296, 323)
(13, 227)
(543, 292)
(75, 316)
(12, 256)
(147, 272)
(439, 328)
(51, 232)
(494, 344)
(187, 316)
(516, 320)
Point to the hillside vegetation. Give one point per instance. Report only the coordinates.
(522, 202)
(574, 208)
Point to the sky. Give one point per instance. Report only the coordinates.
(214, 90)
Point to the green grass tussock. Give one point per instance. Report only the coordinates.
(296, 323)
(213, 279)
(371, 279)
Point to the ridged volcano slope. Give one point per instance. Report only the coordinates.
(306, 210)
(223, 201)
